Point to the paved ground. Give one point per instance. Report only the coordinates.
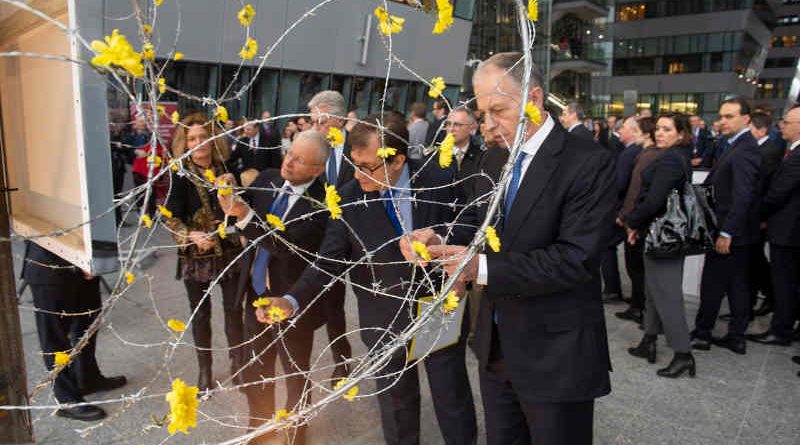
(735, 400)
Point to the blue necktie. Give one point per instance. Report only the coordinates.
(331, 169)
(391, 211)
(511, 195)
(258, 276)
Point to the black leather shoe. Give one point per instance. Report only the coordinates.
(736, 345)
(701, 344)
(104, 384)
(763, 310)
(767, 338)
(796, 359)
(86, 413)
(645, 349)
(630, 314)
(681, 362)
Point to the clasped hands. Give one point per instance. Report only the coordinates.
(449, 256)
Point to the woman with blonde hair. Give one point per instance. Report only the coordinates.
(204, 249)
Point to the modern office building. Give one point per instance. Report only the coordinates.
(779, 83)
(312, 46)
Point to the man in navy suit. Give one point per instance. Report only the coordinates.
(735, 179)
(541, 335)
(391, 197)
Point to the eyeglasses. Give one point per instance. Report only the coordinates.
(369, 170)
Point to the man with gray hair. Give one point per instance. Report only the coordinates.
(417, 129)
(571, 118)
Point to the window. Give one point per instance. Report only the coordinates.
(784, 42)
(631, 12)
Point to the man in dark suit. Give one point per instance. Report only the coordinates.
(781, 210)
(467, 153)
(377, 211)
(701, 138)
(571, 118)
(253, 150)
(269, 130)
(290, 194)
(59, 287)
(541, 337)
(328, 109)
(735, 179)
(436, 130)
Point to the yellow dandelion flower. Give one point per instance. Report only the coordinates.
(155, 160)
(162, 85)
(176, 325)
(178, 55)
(146, 221)
(276, 222)
(451, 302)
(533, 10)
(209, 174)
(388, 24)
(165, 211)
(492, 239)
(445, 16)
(437, 86)
(117, 51)
(158, 2)
(129, 277)
(335, 136)
(533, 114)
(282, 414)
(221, 113)
(350, 394)
(261, 302)
(446, 151)
(62, 358)
(147, 29)
(250, 49)
(161, 110)
(148, 52)
(275, 313)
(175, 117)
(221, 230)
(332, 200)
(174, 166)
(421, 250)
(182, 407)
(385, 152)
(246, 15)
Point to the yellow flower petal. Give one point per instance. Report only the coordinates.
(250, 49)
(492, 239)
(385, 152)
(175, 117)
(147, 29)
(178, 55)
(62, 358)
(158, 2)
(148, 52)
(261, 302)
(115, 50)
(246, 15)
(161, 110)
(421, 250)
(533, 10)
(209, 174)
(446, 151)
(437, 86)
(146, 221)
(335, 136)
(332, 200)
(174, 166)
(276, 314)
(221, 113)
(129, 277)
(445, 16)
(533, 114)
(221, 230)
(165, 211)
(176, 325)
(451, 302)
(162, 85)
(351, 393)
(282, 414)
(276, 222)
(182, 407)
(388, 24)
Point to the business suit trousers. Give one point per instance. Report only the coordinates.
(634, 264)
(293, 346)
(511, 421)
(335, 323)
(725, 275)
(609, 267)
(760, 275)
(60, 333)
(786, 279)
(664, 309)
(201, 323)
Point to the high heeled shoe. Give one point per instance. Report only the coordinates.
(646, 348)
(681, 362)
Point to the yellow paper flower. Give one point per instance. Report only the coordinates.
(332, 200)
(221, 113)
(437, 86)
(246, 15)
(62, 358)
(146, 221)
(350, 394)
(176, 325)
(178, 55)
(161, 110)
(421, 250)
(250, 49)
(276, 222)
(165, 211)
(445, 16)
(182, 407)
(174, 166)
(175, 117)
(282, 414)
(158, 2)
(147, 29)
(117, 51)
(533, 114)
(451, 302)
(221, 230)
(446, 151)
(385, 152)
(533, 10)
(155, 160)
(276, 313)
(388, 24)
(261, 302)
(129, 277)
(335, 136)
(209, 174)
(492, 239)
(162, 85)
(147, 52)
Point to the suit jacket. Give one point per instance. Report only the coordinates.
(583, 132)
(436, 132)
(346, 170)
(470, 165)
(702, 142)
(736, 179)
(544, 284)
(266, 155)
(365, 227)
(781, 205)
(773, 155)
(285, 265)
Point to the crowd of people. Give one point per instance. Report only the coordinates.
(534, 305)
